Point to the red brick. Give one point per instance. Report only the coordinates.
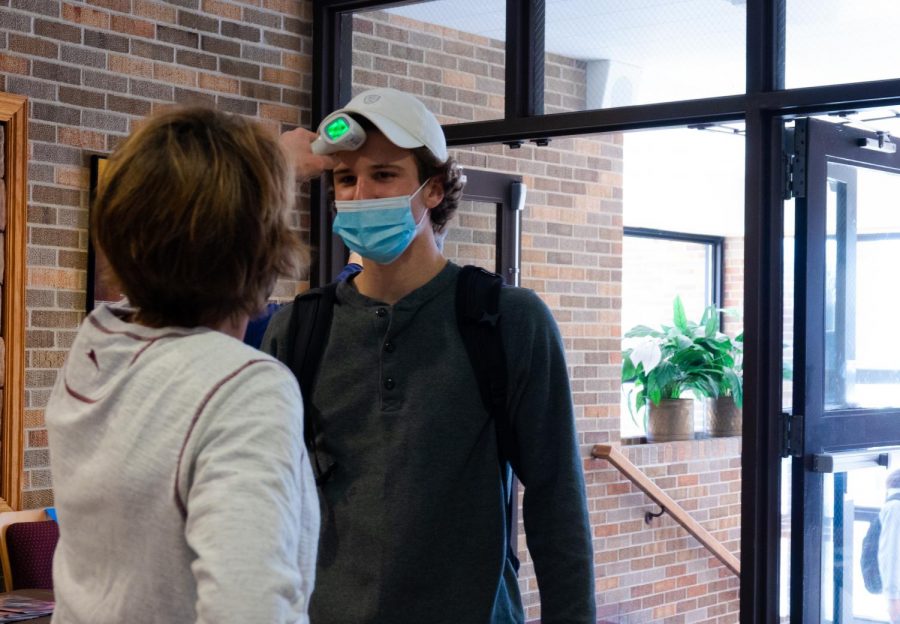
(131, 26)
(13, 64)
(85, 15)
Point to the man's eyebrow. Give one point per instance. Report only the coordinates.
(340, 169)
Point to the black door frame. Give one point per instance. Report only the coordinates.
(819, 144)
(762, 107)
(507, 192)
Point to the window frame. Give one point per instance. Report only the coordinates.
(717, 251)
(715, 271)
(14, 119)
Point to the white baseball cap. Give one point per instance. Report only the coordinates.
(402, 118)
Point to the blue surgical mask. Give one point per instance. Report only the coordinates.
(377, 229)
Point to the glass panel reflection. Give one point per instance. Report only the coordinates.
(861, 365)
(608, 53)
(449, 53)
(471, 236)
(784, 553)
(835, 41)
(852, 501)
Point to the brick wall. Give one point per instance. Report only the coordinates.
(656, 572)
(471, 239)
(733, 291)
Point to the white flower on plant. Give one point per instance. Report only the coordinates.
(646, 352)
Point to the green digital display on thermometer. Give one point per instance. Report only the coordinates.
(337, 128)
(338, 132)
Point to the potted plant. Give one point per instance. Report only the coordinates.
(664, 363)
(725, 409)
(725, 406)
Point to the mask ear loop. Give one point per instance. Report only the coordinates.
(426, 208)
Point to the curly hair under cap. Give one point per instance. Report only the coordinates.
(452, 183)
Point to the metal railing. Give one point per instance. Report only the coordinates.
(634, 474)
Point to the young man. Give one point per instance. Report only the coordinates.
(183, 488)
(414, 514)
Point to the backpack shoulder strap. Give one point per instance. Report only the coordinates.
(308, 332)
(478, 317)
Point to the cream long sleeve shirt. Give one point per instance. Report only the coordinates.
(181, 480)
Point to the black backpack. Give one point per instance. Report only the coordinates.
(478, 319)
(869, 559)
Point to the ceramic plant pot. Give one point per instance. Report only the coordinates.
(671, 420)
(724, 417)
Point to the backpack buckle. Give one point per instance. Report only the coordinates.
(489, 319)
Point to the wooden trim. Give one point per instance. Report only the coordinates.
(13, 114)
(634, 474)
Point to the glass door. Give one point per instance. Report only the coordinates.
(486, 230)
(846, 390)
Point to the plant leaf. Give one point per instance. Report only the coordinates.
(678, 315)
(710, 321)
(639, 331)
(647, 354)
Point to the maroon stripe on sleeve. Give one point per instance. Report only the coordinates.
(179, 502)
(78, 396)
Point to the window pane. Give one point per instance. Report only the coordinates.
(624, 52)
(863, 238)
(450, 54)
(835, 41)
(471, 237)
(852, 501)
(654, 272)
(672, 183)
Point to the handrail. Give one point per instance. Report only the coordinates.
(615, 457)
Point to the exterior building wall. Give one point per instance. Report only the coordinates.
(93, 69)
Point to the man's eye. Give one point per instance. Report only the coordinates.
(346, 180)
(384, 175)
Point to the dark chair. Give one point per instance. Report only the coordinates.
(29, 548)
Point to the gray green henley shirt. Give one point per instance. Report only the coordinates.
(413, 517)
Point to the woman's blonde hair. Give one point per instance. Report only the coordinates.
(193, 215)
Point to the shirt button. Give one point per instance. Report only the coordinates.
(389, 347)
(389, 383)
(380, 312)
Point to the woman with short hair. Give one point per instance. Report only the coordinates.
(181, 480)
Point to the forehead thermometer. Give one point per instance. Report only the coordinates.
(338, 132)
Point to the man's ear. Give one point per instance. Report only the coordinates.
(433, 193)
